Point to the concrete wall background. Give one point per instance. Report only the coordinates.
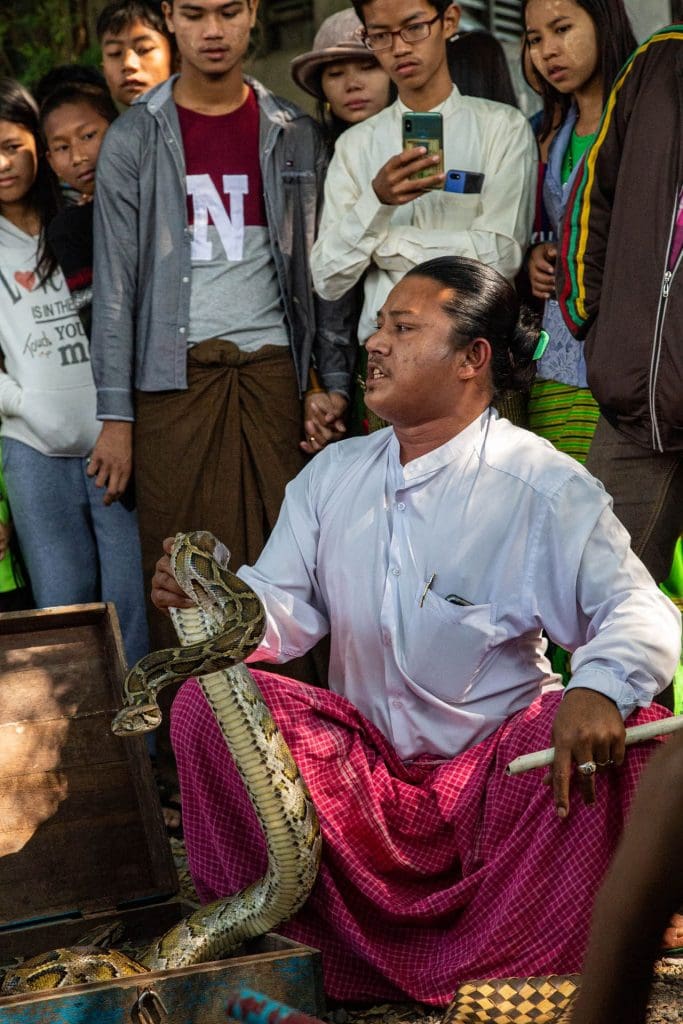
(648, 15)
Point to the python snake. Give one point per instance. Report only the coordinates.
(226, 623)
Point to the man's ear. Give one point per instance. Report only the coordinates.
(477, 359)
(451, 20)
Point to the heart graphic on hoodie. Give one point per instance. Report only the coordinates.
(26, 278)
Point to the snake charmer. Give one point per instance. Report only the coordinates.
(439, 553)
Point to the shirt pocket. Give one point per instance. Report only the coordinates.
(300, 198)
(449, 211)
(446, 644)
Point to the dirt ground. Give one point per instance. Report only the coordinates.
(666, 1006)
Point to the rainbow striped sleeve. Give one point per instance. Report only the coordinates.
(576, 230)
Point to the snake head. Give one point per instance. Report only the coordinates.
(136, 719)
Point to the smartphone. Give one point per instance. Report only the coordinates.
(424, 129)
(468, 182)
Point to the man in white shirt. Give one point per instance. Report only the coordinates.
(435, 553)
(377, 220)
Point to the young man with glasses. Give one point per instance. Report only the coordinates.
(377, 219)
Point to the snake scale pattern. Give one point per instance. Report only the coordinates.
(224, 626)
(226, 623)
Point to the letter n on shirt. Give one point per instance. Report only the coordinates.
(206, 201)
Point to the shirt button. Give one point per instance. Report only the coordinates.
(386, 639)
(397, 704)
(185, 280)
(401, 506)
(396, 572)
(182, 330)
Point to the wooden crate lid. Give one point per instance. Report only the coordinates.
(81, 827)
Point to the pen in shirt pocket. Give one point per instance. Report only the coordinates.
(451, 598)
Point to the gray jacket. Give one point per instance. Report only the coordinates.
(142, 267)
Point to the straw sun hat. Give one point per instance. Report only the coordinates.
(338, 38)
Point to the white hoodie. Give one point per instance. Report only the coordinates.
(47, 394)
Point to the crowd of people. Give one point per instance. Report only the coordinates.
(379, 392)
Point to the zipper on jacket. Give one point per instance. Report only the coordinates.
(659, 326)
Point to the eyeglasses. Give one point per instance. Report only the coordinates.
(410, 34)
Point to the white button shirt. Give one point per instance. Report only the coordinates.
(435, 580)
(359, 235)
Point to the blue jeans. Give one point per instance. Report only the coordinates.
(76, 549)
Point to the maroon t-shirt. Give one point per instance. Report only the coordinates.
(226, 144)
(235, 289)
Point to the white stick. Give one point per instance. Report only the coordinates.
(636, 734)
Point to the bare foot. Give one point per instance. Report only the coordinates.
(673, 936)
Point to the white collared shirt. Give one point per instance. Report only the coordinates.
(513, 535)
(358, 233)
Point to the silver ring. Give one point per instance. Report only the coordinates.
(588, 768)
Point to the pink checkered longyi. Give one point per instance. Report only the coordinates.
(432, 874)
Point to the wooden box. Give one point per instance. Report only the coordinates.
(82, 837)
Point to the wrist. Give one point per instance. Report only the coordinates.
(314, 385)
(117, 428)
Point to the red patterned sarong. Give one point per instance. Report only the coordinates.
(432, 873)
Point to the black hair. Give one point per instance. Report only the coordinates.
(332, 125)
(484, 305)
(440, 6)
(118, 14)
(676, 12)
(529, 72)
(67, 74)
(95, 96)
(479, 67)
(18, 106)
(616, 42)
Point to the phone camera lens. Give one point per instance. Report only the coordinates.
(409, 126)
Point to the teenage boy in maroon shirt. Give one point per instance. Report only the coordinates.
(204, 318)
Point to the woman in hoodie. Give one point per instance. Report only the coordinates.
(576, 48)
(76, 549)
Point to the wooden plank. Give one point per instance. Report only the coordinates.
(80, 818)
(31, 746)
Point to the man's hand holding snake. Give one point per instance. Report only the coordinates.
(588, 732)
(166, 592)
